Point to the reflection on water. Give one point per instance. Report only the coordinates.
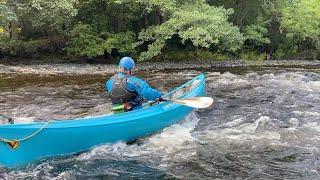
(263, 124)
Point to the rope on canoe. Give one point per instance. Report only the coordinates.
(29, 136)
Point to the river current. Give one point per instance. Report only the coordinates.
(264, 124)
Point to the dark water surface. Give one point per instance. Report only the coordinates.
(265, 123)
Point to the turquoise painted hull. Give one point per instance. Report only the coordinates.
(71, 136)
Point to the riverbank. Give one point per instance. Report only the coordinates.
(79, 69)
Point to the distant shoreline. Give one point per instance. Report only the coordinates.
(82, 69)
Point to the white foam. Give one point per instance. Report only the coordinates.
(313, 126)
(314, 85)
(228, 78)
(243, 132)
(171, 140)
(23, 120)
(234, 122)
(42, 170)
(294, 122)
(307, 113)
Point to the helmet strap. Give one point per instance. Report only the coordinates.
(127, 71)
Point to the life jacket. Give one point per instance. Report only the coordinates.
(119, 92)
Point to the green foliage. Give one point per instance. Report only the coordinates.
(203, 25)
(162, 29)
(4, 43)
(85, 42)
(302, 19)
(23, 49)
(301, 22)
(308, 55)
(256, 35)
(245, 13)
(53, 14)
(191, 55)
(252, 56)
(122, 42)
(286, 50)
(6, 13)
(176, 56)
(108, 15)
(18, 48)
(221, 57)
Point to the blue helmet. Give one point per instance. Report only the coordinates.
(127, 62)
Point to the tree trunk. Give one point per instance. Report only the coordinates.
(243, 13)
(145, 22)
(158, 17)
(119, 19)
(10, 30)
(13, 30)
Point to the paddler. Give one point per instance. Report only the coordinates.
(127, 92)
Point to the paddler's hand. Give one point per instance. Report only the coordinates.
(161, 99)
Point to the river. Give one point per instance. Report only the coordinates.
(264, 123)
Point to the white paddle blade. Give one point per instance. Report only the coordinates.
(195, 102)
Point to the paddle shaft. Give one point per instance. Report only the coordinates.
(195, 102)
(10, 120)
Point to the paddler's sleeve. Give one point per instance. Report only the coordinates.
(109, 85)
(143, 88)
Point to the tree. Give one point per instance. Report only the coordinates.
(86, 42)
(104, 27)
(54, 17)
(53, 14)
(8, 18)
(301, 19)
(6, 14)
(195, 21)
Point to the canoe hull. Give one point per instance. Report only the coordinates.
(72, 136)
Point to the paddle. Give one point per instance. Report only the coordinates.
(10, 120)
(195, 102)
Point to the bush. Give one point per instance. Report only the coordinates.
(27, 49)
(286, 50)
(252, 56)
(175, 56)
(84, 42)
(310, 54)
(190, 55)
(4, 44)
(221, 57)
(18, 48)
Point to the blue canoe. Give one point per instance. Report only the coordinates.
(24, 143)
